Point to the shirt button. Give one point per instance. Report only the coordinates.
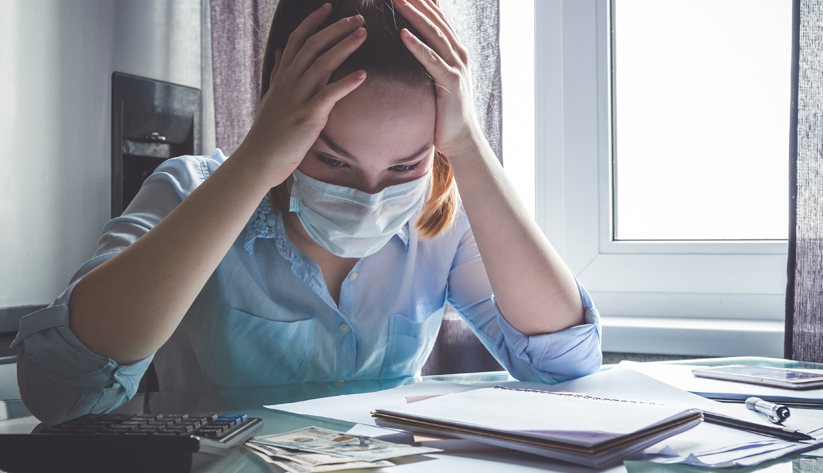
(344, 328)
(353, 276)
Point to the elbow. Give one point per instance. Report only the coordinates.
(47, 400)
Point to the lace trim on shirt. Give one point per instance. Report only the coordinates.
(261, 225)
(267, 223)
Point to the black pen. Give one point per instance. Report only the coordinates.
(773, 431)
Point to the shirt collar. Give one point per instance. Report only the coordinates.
(266, 223)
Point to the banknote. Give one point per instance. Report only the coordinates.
(319, 440)
(306, 458)
(296, 467)
(309, 437)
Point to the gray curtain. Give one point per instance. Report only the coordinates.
(804, 294)
(239, 30)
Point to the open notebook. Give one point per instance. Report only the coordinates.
(577, 428)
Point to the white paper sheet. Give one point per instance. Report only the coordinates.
(358, 407)
(622, 382)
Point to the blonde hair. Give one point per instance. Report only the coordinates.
(384, 57)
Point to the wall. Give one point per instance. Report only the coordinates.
(56, 60)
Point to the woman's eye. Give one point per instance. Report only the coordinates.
(405, 167)
(335, 163)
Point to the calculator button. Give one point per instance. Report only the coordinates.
(121, 427)
(118, 417)
(181, 427)
(144, 430)
(172, 417)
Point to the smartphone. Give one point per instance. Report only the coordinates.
(775, 377)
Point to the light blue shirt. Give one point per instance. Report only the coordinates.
(265, 316)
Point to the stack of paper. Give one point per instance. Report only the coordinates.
(581, 429)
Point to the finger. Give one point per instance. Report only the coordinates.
(442, 72)
(278, 56)
(319, 43)
(307, 28)
(432, 11)
(332, 93)
(458, 47)
(434, 36)
(322, 69)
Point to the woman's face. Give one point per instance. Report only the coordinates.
(380, 135)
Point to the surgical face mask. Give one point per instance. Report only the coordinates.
(350, 223)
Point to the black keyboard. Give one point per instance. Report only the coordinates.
(125, 443)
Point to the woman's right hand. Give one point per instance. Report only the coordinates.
(296, 106)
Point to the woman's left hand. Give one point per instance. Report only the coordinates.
(447, 60)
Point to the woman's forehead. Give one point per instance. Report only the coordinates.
(395, 120)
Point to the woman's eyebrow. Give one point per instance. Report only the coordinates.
(337, 149)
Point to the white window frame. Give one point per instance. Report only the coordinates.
(689, 298)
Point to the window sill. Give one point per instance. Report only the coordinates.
(698, 337)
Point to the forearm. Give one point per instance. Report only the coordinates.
(534, 289)
(126, 308)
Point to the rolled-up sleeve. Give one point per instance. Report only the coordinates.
(547, 358)
(59, 377)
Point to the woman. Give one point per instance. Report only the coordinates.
(364, 133)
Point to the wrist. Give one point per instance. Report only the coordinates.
(470, 152)
(261, 166)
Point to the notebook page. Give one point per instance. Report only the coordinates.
(507, 410)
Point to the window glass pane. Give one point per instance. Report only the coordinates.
(701, 92)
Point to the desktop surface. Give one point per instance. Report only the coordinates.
(250, 401)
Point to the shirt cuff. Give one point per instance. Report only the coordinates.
(55, 351)
(559, 356)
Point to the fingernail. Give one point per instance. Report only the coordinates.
(407, 33)
(356, 19)
(360, 75)
(326, 6)
(359, 32)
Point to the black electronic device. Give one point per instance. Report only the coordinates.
(161, 443)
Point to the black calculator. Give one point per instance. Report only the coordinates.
(125, 443)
